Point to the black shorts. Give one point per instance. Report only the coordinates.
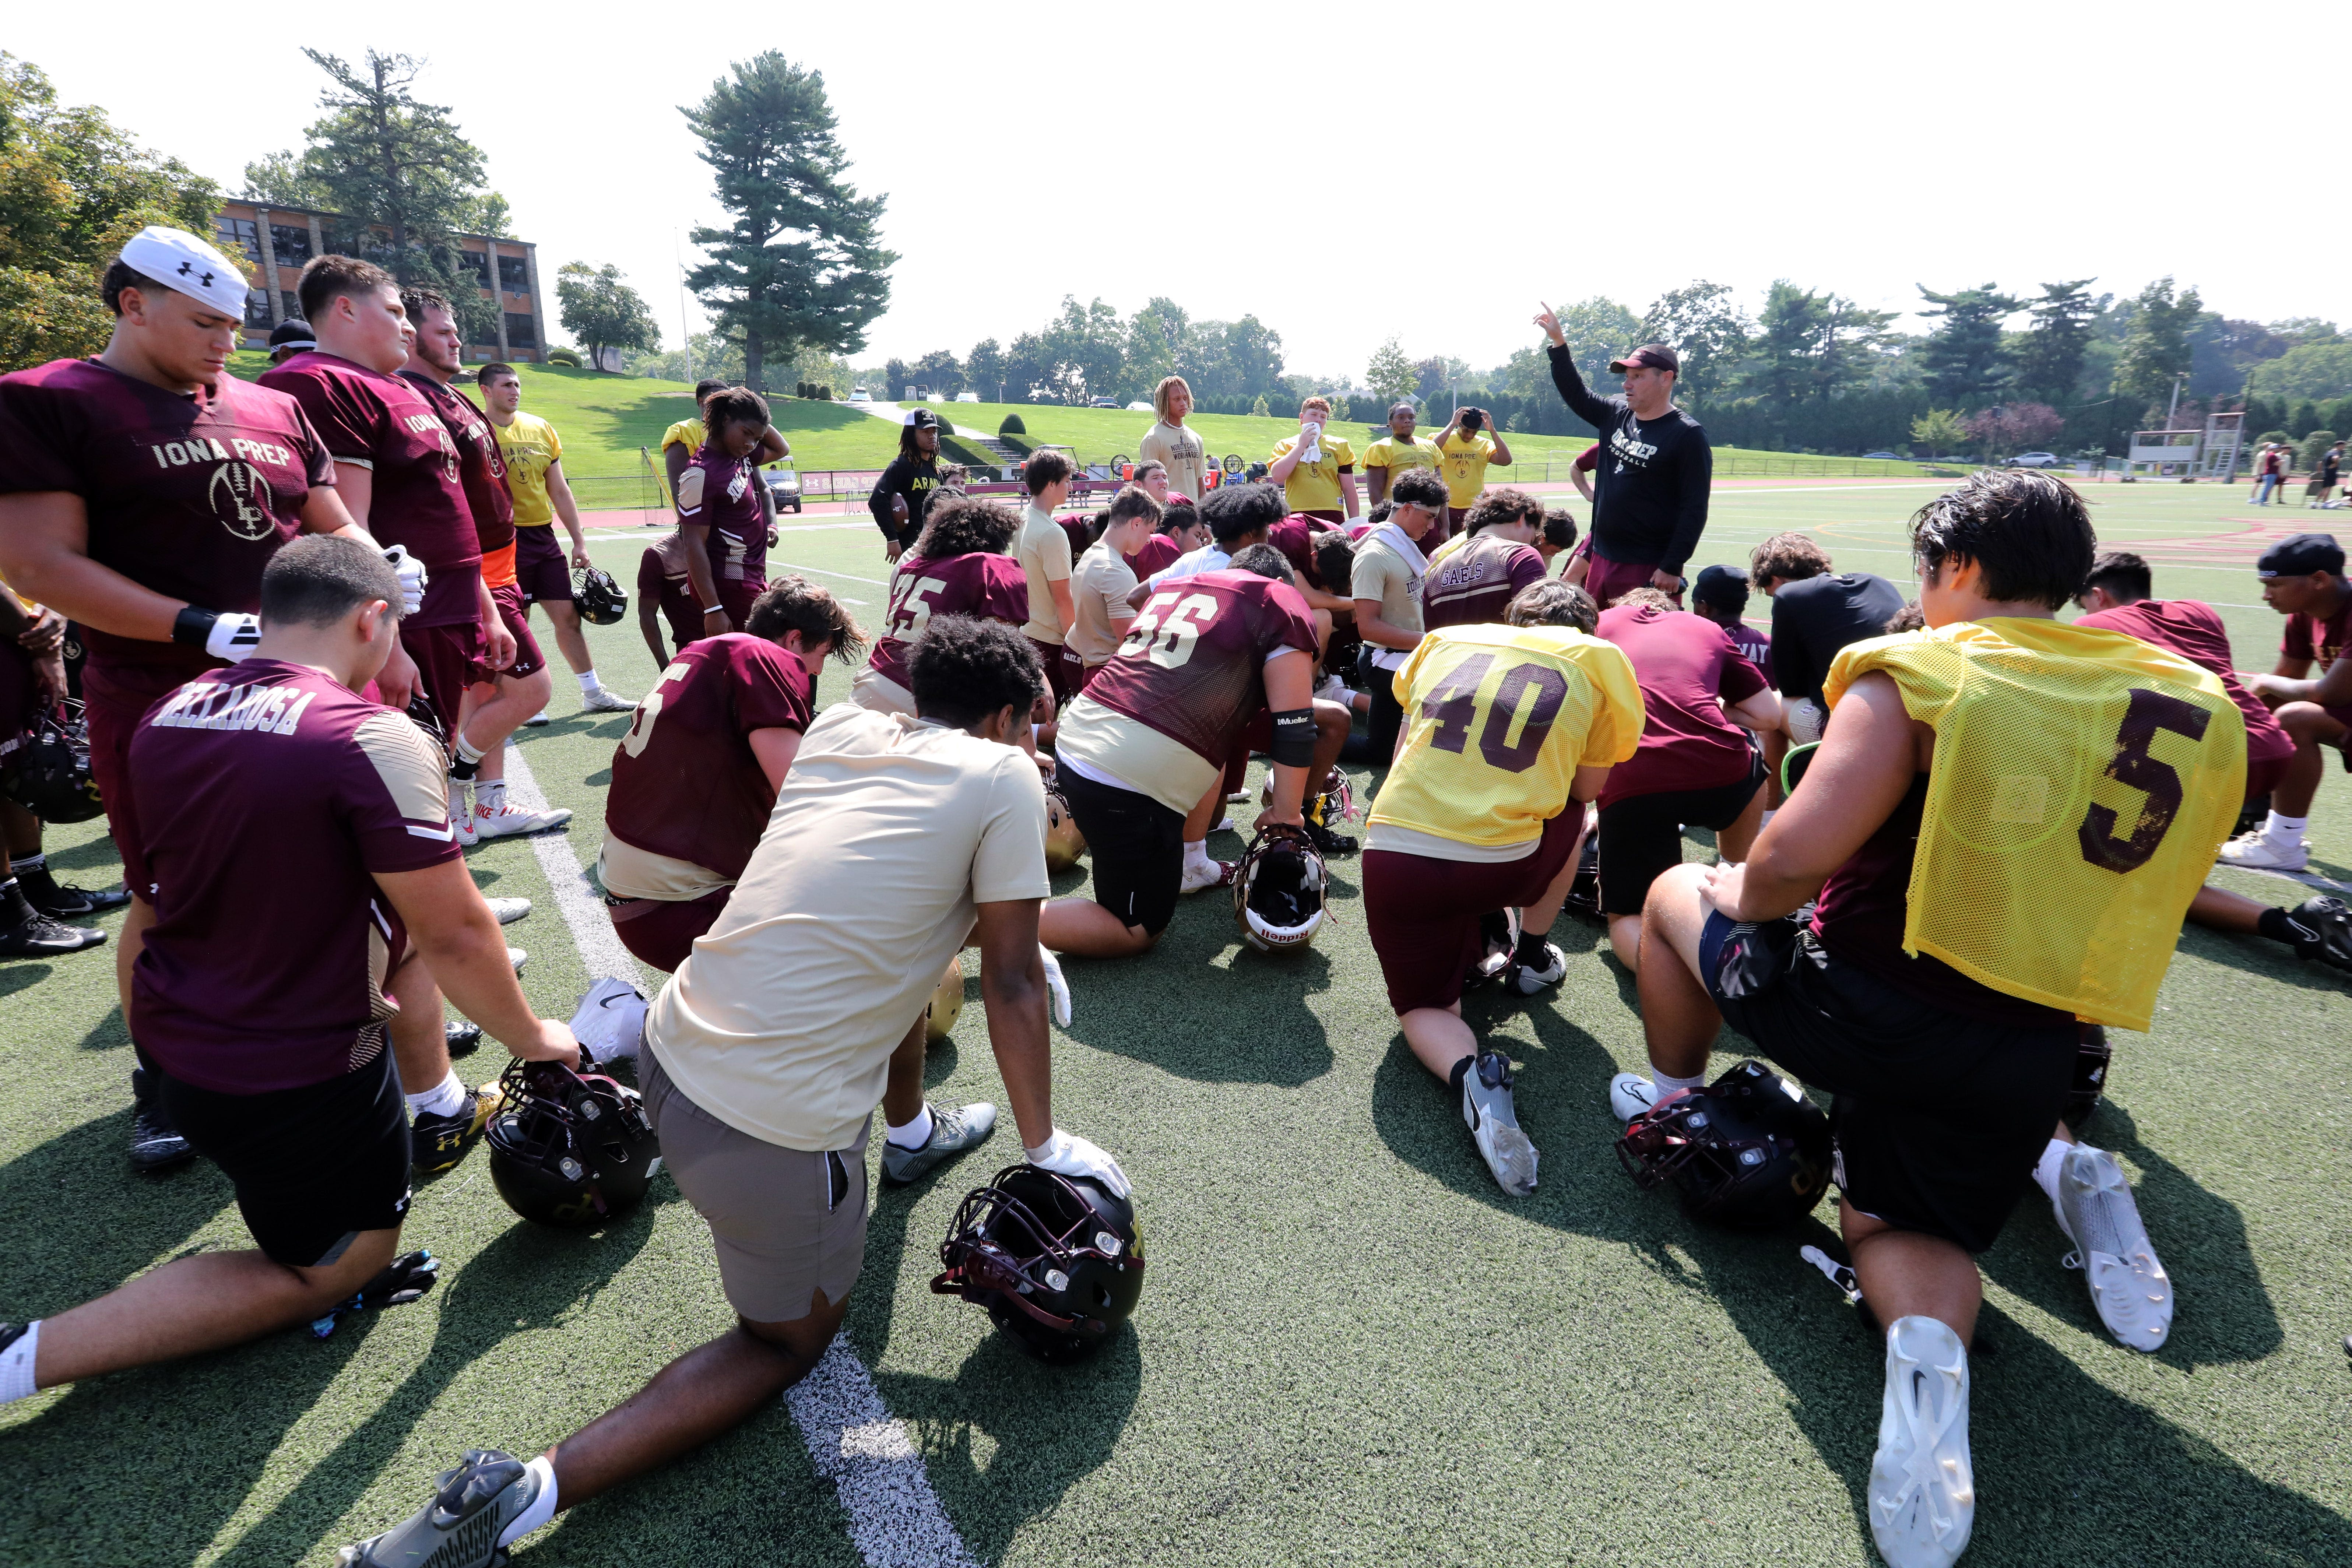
(1641, 836)
(312, 1166)
(1937, 1117)
(543, 566)
(1137, 846)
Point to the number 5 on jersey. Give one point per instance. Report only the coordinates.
(641, 727)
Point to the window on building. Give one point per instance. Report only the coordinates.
(521, 333)
(481, 262)
(256, 309)
(292, 243)
(290, 303)
(239, 234)
(514, 277)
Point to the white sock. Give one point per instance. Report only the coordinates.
(491, 793)
(541, 1509)
(442, 1099)
(2286, 832)
(915, 1133)
(467, 752)
(589, 684)
(16, 1364)
(1196, 854)
(1670, 1086)
(2045, 1169)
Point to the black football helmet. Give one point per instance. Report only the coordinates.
(600, 599)
(47, 771)
(2092, 1053)
(569, 1149)
(1278, 890)
(428, 718)
(1054, 1259)
(1584, 889)
(1749, 1151)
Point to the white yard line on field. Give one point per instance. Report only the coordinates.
(895, 1517)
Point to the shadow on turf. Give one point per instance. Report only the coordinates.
(2267, 960)
(2067, 1468)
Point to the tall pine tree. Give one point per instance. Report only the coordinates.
(2156, 347)
(2049, 356)
(801, 263)
(1965, 367)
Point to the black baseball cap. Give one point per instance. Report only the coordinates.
(293, 333)
(1658, 354)
(2301, 554)
(1726, 586)
(923, 420)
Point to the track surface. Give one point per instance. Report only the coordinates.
(1352, 1348)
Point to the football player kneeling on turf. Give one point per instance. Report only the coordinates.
(1510, 730)
(2053, 842)
(766, 1055)
(261, 998)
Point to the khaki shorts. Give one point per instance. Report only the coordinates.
(784, 1222)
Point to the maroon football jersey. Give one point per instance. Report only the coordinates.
(686, 782)
(990, 587)
(2190, 628)
(730, 509)
(188, 496)
(1158, 554)
(1294, 537)
(1474, 584)
(1193, 664)
(1685, 664)
(367, 416)
(269, 796)
(481, 468)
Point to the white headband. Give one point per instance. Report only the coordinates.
(178, 259)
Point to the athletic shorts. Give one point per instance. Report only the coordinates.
(1137, 846)
(313, 1166)
(869, 688)
(543, 566)
(20, 698)
(661, 931)
(114, 700)
(1423, 914)
(1641, 835)
(446, 657)
(2263, 776)
(785, 1223)
(515, 615)
(1453, 525)
(1938, 1117)
(1062, 668)
(1608, 578)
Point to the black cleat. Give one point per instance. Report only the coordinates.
(42, 937)
(2323, 930)
(60, 901)
(155, 1143)
(1329, 843)
(462, 1036)
(439, 1143)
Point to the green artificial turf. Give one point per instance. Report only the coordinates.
(1351, 1347)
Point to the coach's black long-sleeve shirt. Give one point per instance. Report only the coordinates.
(1815, 619)
(1649, 492)
(916, 482)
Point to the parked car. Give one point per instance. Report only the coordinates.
(2037, 460)
(859, 394)
(1867, 456)
(784, 484)
(1103, 403)
(966, 398)
(1140, 408)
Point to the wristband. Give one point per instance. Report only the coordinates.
(1294, 737)
(713, 609)
(192, 625)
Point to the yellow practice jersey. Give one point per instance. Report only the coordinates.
(1315, 487)
(1498, 718)
(2083, 781)
(531, 447)
(686, 433)
(1398, 457)
(1462, 460)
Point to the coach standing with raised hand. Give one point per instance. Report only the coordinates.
(1650, 497)
(142, 492)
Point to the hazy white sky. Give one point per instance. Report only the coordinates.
(1240, 160)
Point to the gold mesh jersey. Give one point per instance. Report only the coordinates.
(2082, 780)
(1497, 721)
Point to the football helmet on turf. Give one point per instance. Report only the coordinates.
(1054, 1259)
(570, 1148)
(1063, 842)
(1748, 1151)
(1278, 890)
(2090, 1056)
(1584, 890)
(600, 598)
(47, 771)
(939, 1018)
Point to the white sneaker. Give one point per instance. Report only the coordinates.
(2257, 852)
(1494, 1120)
(1057, 988)
(461, 814)
(1923, 1494)
(1630, 1094)
(603, 701)
(536, 721)
(2129, 1285)
(509, 819)
(508, 910)
(610, 1022)
(517, 958)
(1206, 875)
(1225, 825)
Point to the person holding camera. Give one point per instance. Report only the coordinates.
(1467, 444)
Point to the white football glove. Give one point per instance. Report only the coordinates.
(233, 636)
(610, 1022)
(1056, 987)
(1073, 1156)
(413, 577)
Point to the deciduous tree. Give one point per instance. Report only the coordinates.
(600, 310)
(1390, 373)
